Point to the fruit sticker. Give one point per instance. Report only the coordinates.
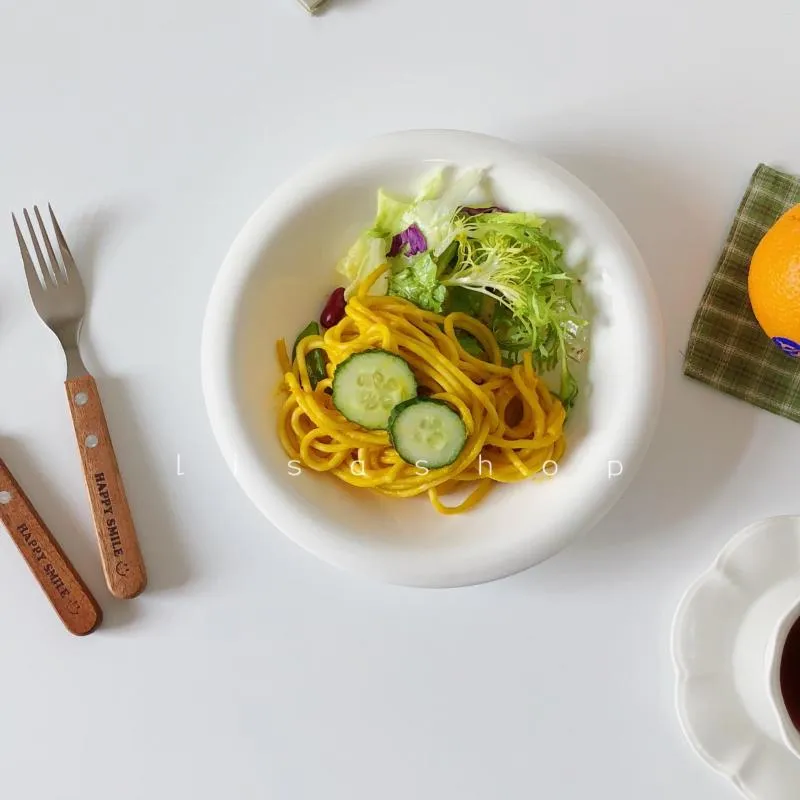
(788, 346)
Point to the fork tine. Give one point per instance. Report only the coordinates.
(47, 279)
(57, 272)
(34, 281)
(70, 269)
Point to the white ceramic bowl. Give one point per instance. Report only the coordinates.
(278, 273)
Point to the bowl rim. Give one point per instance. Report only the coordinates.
(217, 379)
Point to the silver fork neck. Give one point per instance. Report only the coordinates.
(68, 336)
(75, 366)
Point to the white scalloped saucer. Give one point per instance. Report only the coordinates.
(726, 681)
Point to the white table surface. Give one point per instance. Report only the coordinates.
(249, 669)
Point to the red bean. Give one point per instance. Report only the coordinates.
(334, 309)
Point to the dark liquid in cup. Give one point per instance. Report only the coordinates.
(790, 674)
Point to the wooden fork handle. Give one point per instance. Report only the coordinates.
(116, 536)
(63, 586)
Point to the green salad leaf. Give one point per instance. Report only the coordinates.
(470, 344)
(464, 301)
(364, 257)
(390, 214)
(503, 268)
(418, 282)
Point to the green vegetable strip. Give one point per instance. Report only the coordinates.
(316, 359)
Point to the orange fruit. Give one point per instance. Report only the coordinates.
(774, 282)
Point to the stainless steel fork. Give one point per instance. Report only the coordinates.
(58, 297)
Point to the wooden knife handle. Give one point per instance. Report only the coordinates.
(63, 586)
(119, 547)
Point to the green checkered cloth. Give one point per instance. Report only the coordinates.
(727, 348)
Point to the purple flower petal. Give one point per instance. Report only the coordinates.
(473, 212)
(412, 237)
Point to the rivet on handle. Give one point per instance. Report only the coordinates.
(81, 399)
(90, 440)
(5, 498)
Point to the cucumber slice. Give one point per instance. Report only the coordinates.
(368, 385)
(427, 432)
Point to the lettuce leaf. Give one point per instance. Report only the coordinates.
(395, 214)
(470, 344)
(465, 301)
(391, 211)
(437, 216)
(363, 258)
(418, 282)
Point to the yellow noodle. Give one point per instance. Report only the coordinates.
(471, 501)
(283, 356)
(498, 449)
